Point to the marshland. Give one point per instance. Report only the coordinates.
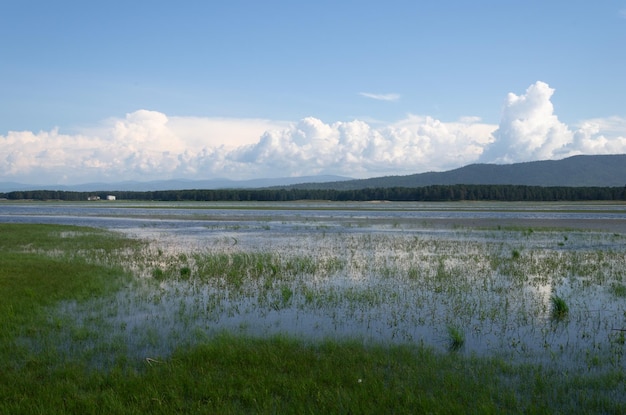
(313, 307)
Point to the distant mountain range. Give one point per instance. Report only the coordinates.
(577, 171)
(180, 184)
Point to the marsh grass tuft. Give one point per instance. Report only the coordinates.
(560, 309)
(286, 294)
(185, 272)
(456, 338)
(158, 274)
(618, 290)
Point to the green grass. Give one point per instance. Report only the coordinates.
(618, 289)
(67, 239)
(43, 265)
(456, 338)
(560, 309)
(38, 268)
(233, 375)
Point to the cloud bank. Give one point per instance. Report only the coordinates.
(149, 145)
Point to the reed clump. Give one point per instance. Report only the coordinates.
(560, 309)
(456, 338)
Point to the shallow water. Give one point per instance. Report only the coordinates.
(408, 272)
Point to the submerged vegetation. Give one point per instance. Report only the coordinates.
(323, 321)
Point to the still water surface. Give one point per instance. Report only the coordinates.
(166, 215)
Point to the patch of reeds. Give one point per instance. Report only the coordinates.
(618, 289)
(456, 338)
(560, 309)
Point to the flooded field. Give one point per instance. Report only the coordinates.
(536, 283)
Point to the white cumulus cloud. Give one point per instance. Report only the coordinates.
(144, 145)
(357, 149)
(529, 130)
(600, 136)
(149, 145)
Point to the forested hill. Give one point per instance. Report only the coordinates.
(577, 171)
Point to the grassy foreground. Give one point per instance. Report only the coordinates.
(42, 265)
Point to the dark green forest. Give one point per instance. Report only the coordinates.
(426, 194)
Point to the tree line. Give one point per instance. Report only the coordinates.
(434, 193)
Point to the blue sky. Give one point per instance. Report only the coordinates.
(147, 90)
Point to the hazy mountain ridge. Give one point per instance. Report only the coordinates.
(174, 184)
(576, 171)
